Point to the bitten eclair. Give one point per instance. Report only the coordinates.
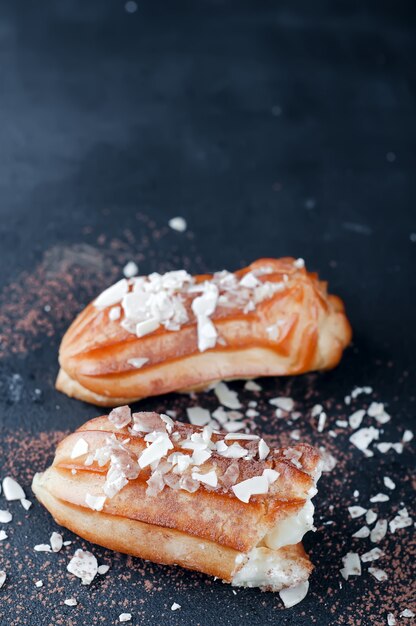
(151, 335)
(223, 504)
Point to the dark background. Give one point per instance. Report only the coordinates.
(275, 129)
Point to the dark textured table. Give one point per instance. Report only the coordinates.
(274, 131)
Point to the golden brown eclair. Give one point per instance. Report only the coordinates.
(152, 335)
(223, 504)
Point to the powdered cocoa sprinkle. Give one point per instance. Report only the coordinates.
(42, 302)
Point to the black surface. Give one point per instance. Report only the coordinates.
(274, 131)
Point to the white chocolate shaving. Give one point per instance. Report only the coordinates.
(112, 295)
(83, 565)
(95, 503)
(12, 490)
(263, 450)
(138, 362)
(352, 565)
(293, 595)
(80, 448)
(226, 396)
(210, 478)
(156, 450)
(286, 404)
(257, 485)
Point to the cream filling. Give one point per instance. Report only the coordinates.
(291, 530)
(265, 567)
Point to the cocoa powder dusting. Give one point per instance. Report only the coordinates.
(41, 302)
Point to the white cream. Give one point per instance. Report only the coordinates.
(291, 530)
(267, 568)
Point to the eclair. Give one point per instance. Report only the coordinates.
(224, 504)
(150, 335)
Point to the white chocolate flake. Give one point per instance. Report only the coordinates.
(402, 520)
(263, 450)
(271, 475)
(210, 478)
(362, 533)
(293, 595)
(138, 362)
(361, 390)
(146, 327)
(370, 516)
(352, 565)
(356, 511)
(178, 223)
(372, 555)
(112, 295)
(376, 410)
(250, 385)
(198, 416)
(95, 503)
(120, 416)
(226, 396)
(356, 418)
(124, 617)
(80, 448)
(114, 313)
(257, 485)
(379, 531)
(286, 404)
(362, 438)
(83, 565)
(249, 280)
(12, 490)
(200, 456)
(56, 542)
(316, 410)
(380, 497)
(328, 461)
(42, 547)
(379, 574)
(155, 451)
(241, 436)
(130, 269)
(321, 422)
(234, 451)
(234, 426)
(389, 483)
(299, 263)
(5, 517)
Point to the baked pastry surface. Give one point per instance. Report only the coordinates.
(223, 504)
(152, 335)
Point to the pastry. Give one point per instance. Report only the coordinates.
(151, 335)
(222, 504)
